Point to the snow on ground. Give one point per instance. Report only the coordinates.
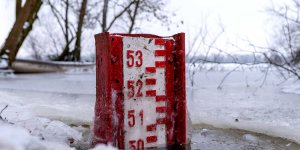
(293, 89)
(66, 97)
(3, 63)
(104, 147)
(243, 102)
(21, 129)
(240, 103)
(17, 138)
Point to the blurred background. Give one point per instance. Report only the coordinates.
(242, 67)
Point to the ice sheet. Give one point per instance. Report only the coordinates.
(240, 103)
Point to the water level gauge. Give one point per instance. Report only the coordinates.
(140, 91)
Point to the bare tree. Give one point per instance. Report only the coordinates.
(287, 35)
(205, 53)
(284, 53)
(77, 50)
(65, 25)
(200, 47)
(69, 31)
(145, 10)
(106, 14)
(106, 20)
(126, 14)
(25, 17)
(18, 7)
(133, 14)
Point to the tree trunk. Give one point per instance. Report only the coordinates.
(77, 50)
(66, 52)
(104, 15)
(18, 7)
(21, 28)
(133, 18)
(296, 59)
(30, 22)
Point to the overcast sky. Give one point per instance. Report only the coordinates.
(244, 19)
(6, 18)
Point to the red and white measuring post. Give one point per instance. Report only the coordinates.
(140, 91)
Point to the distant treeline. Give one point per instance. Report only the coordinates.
(225, 58)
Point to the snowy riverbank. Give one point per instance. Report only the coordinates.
(247, 100)
(47, 105)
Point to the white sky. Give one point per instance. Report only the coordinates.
(241, 18)
(7, 14)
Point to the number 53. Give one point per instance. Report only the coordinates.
(131, 56)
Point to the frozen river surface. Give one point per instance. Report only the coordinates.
(228, 117)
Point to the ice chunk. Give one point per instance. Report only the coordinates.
(104, 147)
(17, 138)
(43, 128)
(250, 138)
(293, 89)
